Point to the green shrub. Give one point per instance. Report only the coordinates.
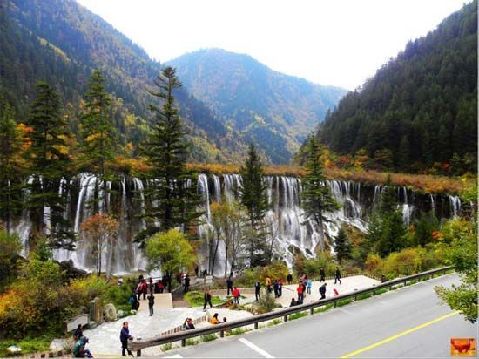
(381, 291)
(27, 345)
(298, 315)
(323, 260)
(166, 347)
(363, 296)
(208, 337)
(237, 331)
(10, 247)
(192, 341)
(265, 304)
(343, 302)
(118, 295)
(38, 302)
(275, 270)
(323, 308)
(274, 322)
(197, 299)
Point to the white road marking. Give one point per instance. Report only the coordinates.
(174, 356)
(255, 348)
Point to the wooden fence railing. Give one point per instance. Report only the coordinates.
(281, 313)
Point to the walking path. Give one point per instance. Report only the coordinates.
(104, 340)
(348, 285)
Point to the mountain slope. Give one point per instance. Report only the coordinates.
(272, 109)
(420, 109)
(62, 42)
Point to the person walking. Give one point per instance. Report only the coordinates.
(268, 284)
(289, 278)
(280, 287)
(229, 285)
(337, 276)
(322, 275)
(160, 286)
(300, 290)
(151, 286)
(309, 285)
(257, 289)
(124, 337)
(151, 303)
(187, 282)
(207, 298)
(276, 288)
(322, 291)
(236, 295)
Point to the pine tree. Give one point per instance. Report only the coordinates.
(171, 194)
(253, 197)
(10, 148)
(316, 197)
(49, 159)
(386, 232)
(342, 246)
(98, 134)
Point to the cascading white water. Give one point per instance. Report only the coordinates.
(454, 205)
(288, 229)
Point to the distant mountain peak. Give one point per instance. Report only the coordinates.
(241, 89)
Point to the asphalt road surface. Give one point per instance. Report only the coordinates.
(407, 322)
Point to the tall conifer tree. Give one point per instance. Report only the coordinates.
(49, 159)
(316, 196)
(342, 245)
(171, 194)
(10, 148)
(98, 133)
(254, 198)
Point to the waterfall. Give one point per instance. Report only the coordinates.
(433, 204)
(454, 205)
(289, 231)
(217, 188)
(407, 208)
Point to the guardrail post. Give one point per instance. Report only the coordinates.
(183, 342)
(138, 353)
(222, 333)
(311, 311)
(334, 303)
(285, 318)
(355, 297)
(256, 325)
(405, 282)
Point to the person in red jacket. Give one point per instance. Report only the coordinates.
(236, 295)
(300, 290)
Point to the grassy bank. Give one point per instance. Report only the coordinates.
(421, 182)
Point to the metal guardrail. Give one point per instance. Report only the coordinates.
(284, 313)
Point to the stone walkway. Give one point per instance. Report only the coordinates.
(104, 340)
(348, 285)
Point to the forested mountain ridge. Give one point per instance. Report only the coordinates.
(419, 111)
(61, 42)
(274, 110)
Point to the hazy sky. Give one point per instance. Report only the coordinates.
(330, 42)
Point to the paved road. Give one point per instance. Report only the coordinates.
(408, 322)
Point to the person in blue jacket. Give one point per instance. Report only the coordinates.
(124, 337)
